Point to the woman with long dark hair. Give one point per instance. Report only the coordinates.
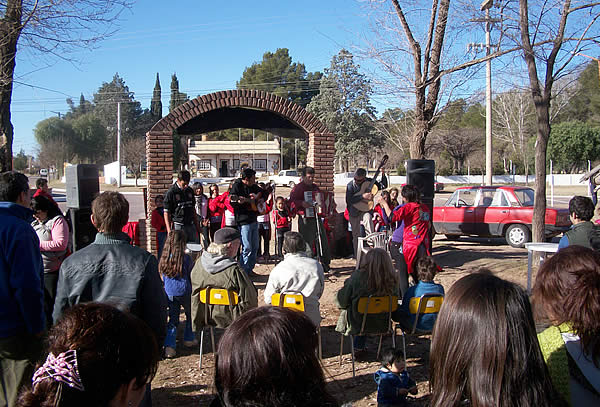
(567, 291)
(484, 348)
(53, 231)
(267, 357)
(175, 268)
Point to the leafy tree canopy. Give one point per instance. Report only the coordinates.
(584, 106)
(277, 74)
(571, 144)
(20, 161)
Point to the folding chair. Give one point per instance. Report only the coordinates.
(294, 300)
(372, 240)
(214, 296)
(369, 306)
(429, 303)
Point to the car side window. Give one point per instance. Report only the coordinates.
(500, 199)
(462, 197)
(486, 198)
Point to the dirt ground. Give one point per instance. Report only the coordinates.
(181, 383)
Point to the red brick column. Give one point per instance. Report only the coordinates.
(159, 157)
(321, 152)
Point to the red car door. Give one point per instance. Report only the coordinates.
(458, 214)
(491, 212)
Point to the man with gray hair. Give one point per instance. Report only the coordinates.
(298, 272)
(217, 268)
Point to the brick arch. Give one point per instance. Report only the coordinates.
(159, 147)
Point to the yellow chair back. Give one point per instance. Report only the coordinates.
(219, 296)
(289, 300)
(432, 306)
(377, 305)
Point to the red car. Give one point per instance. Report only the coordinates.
(495, 211)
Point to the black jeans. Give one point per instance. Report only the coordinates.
(50, 283)
(280, 232)
(401, 267)
(264, 238)
(204, 231)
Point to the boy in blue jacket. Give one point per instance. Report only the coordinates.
(393, 381)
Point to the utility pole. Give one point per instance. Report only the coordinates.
(119, 143)
(296, 154)
(485, 6)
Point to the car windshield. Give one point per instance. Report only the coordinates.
(525, 196)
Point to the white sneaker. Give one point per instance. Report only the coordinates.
(170, 352)
(190, 344)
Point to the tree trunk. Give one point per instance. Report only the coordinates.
(542, 107)
(10, 30)
(418, 138)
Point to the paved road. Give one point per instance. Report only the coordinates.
(136, 204)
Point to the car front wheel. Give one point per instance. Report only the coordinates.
(517, 235)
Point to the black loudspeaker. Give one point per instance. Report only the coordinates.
(82, 185)
(82, 227)
(421, 173)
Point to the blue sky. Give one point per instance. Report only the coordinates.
(208, 44)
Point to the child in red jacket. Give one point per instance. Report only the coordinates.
(282, 221)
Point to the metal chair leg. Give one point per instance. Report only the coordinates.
(379, 347)
(212, 339)
(403, 346)
(320, 347)
(341, 347)
(201, 344)
(352, 350)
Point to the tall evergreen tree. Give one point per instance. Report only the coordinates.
(106, 100)
(344, 106)
(180, 157)
(277, 74)
(156, 103)
(177, 97)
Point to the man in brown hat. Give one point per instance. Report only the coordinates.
(217, 268)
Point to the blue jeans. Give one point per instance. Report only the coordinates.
(175, 304)
(249, 246)
(161, 237)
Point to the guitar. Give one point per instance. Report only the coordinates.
(256, 204)
(365, 205)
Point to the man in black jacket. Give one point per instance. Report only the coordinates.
(242, 194)
(112, 271)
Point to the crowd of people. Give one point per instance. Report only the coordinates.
(90, 327)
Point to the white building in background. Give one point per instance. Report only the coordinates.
(224, 158)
